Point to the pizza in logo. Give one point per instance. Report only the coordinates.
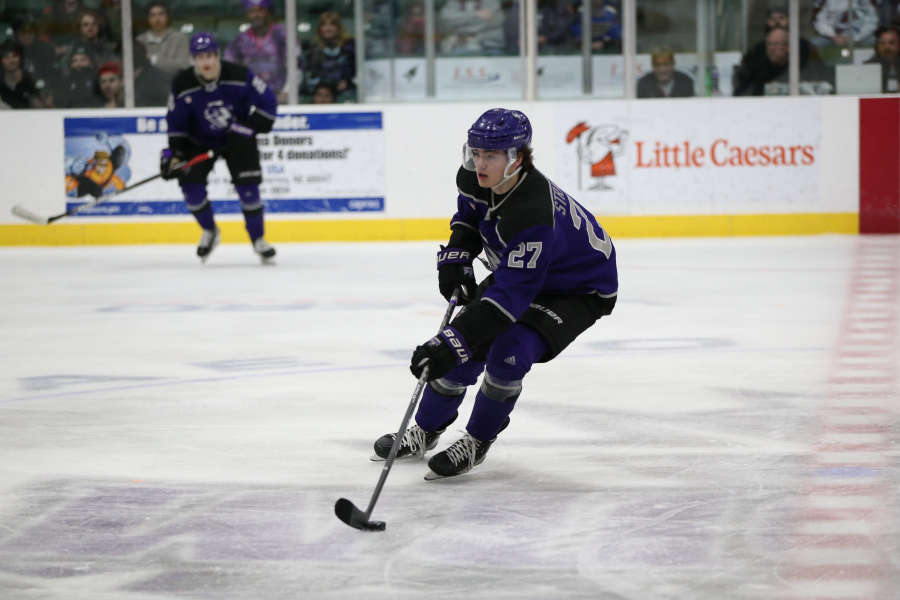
(597, 147)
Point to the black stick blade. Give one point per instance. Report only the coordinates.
(352, 516)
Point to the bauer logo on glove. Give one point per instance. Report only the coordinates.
(453, 255)
(440, 354)
(457, 343)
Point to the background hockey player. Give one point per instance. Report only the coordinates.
(219, 105)
(554, 274)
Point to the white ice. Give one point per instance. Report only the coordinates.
(176, 430)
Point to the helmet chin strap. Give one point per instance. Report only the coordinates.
(511, 154)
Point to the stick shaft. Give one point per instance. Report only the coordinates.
(395, 447)
(88, 205)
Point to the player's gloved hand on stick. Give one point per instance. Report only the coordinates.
(443, 352)
(168, 163)
(455, 271)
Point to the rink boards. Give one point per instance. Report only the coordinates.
(696, 167)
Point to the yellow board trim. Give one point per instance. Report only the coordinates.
(357, 230)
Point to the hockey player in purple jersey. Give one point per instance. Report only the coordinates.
(221, 106)
(554, 274)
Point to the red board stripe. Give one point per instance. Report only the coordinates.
(879, 165)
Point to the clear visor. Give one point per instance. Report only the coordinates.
(468, 158)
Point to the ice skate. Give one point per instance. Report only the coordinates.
(460, 457)
(265, 250)
(208, 241)
(416, 441)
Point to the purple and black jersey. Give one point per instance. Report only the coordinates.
(201, 112)
(537, 239)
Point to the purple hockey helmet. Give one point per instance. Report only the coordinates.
(248, 4)
(500, 129)
(203, 42)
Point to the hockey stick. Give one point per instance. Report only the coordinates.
(24, 213)
(345, 510)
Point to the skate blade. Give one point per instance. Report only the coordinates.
(432, 476)
(206, 256)
(376, 458)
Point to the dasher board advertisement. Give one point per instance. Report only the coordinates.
(312, 162)
(700, 157)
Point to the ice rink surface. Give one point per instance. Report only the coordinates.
(173, 430)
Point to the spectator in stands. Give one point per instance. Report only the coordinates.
(100, 49)
(17, 88)
(109, 85)
(510, 10)
(262, 47)
(59, 22)
(39, 58)
(151, 85)
(664, 81)
(471, 27)
(331, 57)
(382, 29)
(166, 49)
(776, 16)
(887, 53)
(111, 21)
(844, 22)
(606, 26)
(759, 70)
(324, 94)
(555, 21)
(411, 31)
(78, 89)
(757, 67)
(888, 13)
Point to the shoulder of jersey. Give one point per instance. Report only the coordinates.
(184, 80)
(532, 206)
(467, 182)
(233, 72)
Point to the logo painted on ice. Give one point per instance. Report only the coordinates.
(597, 146)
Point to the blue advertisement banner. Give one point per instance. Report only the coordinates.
(311, 163)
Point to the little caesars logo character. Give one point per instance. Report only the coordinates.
(597, 147)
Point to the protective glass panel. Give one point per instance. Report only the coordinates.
(395, 50)
(477, 50)
(607, 65)
(560, 62)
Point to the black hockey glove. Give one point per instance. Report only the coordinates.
(167, 164)
(455, 271)
(443, 352)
